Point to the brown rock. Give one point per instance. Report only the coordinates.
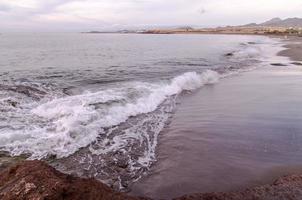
(37, 180)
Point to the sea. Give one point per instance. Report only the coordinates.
(95, 105)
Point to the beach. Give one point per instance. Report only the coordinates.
(240, 133)
(294, 49)
(150, 100)
(98, 109)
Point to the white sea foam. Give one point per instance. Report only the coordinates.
(70, 123)
(248, 52)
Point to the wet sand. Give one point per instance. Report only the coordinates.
(243, 132)
(294, 50)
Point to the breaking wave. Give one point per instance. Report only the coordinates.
(62, 126)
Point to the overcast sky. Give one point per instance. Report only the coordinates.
(82, 15)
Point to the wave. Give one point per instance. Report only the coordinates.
(64, 125)
(249, 52)
(246, 52)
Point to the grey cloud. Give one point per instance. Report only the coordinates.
(63, 14)
(44, 7)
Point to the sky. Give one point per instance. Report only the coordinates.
(83, 15)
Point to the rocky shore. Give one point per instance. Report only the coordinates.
(36, 180)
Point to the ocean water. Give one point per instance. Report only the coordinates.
(94, 104)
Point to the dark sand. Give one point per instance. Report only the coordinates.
(243, 132)
(294, 50)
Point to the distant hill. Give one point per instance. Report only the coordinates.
(277, 22)
(272, 22)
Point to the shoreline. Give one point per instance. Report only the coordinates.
(200, 32)
(288, 184)
(294, 49)
(38, 180)
(172, 173)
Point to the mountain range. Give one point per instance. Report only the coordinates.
(277, 22)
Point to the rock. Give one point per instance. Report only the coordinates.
(229, 54)
(289, 188)
(296, 63)
(278, 64)
(6, 160)
(29, 187)
(37, 180)
(12, 103)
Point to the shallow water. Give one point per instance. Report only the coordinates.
(95, 104)
(243, 132)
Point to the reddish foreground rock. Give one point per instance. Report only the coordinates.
(35, 180)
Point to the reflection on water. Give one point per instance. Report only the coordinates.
(244, 131)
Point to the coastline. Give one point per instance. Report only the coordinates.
(241, 107)
(294, 49)
(289, 184)
(36, 180)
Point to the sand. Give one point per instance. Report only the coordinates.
(243, 132)
(294, 50)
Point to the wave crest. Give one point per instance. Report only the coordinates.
(70, 123)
